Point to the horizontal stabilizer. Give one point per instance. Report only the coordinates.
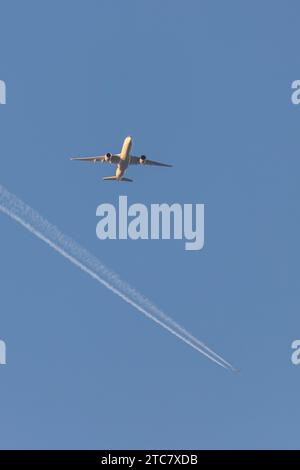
(114, 178)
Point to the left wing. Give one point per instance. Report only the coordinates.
(102, 158)
(144, 161)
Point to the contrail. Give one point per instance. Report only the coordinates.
(19, 211)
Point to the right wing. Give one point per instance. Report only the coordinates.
(145, 161)
(102, 158)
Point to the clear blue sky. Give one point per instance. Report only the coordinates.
(204, 85)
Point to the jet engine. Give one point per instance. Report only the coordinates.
(108, 157)
(142, 159)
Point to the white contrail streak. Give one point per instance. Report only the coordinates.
(80, 257)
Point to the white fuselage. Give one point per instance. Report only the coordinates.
(124, 157)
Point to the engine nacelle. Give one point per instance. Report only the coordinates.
(142, 159)
(108, 157)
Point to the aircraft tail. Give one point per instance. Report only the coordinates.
(114, 178)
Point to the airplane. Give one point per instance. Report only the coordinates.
(122, 160)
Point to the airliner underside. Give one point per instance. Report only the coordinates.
(122, 161)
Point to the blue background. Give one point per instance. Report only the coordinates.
(205, 85)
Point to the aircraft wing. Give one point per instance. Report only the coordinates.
(101, 158)
(145, 161)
